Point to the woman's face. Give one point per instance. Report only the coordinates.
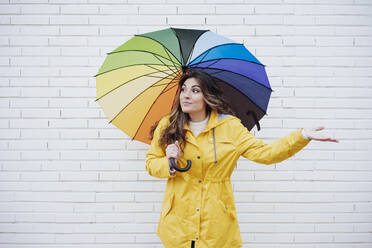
(192, 98)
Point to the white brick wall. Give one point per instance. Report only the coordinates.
(70, 179)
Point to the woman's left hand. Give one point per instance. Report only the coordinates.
(314, 134)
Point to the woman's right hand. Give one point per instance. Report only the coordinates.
(172, 151)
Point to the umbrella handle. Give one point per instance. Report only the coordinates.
(174, 165)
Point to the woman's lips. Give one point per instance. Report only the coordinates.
(186, 103)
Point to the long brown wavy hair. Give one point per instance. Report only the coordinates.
(213, 96)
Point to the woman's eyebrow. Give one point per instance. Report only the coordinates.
(195, 85)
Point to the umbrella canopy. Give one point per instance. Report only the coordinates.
(138, 81)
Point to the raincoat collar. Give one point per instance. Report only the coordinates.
(215, 120)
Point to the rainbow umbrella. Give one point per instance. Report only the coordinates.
(138, 81)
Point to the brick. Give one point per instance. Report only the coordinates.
(68, 123)
(324, 238)
(80, 113)
(117, 9)
(39, 134)
(68, 19)
(145, 20)
(39, 30)
(333, 41)
(29, 103)
(10, 91)
(77, 176)
(10, 9)
(24, 61)
(196, 9)
(28, 123)
(315, 10)
(225, 19)
(274, 9)
(82, 9)
(158, 9)
(76, 30)
(235, 9)
(9, 30)
(66, 145)
(116, 197)
(78, 92)
(29, 19)
(10, 155)
(39, 9)
(298, 20)
(263, 19)
(342, 20)
(184, 19)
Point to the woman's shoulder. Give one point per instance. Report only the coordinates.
(229, 119)
(164, 121)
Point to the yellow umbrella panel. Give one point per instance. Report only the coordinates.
(134, 106)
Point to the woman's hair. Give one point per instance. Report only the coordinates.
(213, 96)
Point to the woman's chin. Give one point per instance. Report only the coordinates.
(186, 110)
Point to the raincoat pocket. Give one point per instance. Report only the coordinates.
(227, 210)
(167, 205)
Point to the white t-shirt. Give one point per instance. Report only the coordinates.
(198, 126)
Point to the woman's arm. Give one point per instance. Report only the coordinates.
(256, 150)
(157, 164)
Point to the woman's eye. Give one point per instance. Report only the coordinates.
(195, 91)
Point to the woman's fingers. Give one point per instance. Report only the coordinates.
(314, 134)
(172, 151)
(319, 128)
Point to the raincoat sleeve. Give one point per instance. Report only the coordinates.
(156, 160)
(257, 150)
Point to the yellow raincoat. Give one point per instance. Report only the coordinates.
(199, 204)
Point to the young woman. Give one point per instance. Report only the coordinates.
(198, 207)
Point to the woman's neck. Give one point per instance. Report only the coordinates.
(196, 117)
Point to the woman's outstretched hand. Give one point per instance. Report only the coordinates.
(314, 134)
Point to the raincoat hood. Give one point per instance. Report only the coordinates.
(198, 204)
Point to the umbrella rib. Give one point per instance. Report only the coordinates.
(160, 77)
(123, 84)
(224, 44)
(160, 44)
(211, 48)
(173, 79)
(99, 74)
(159, 70)
(217, 60)
(155, 55)
(234, 73)
(238, 89)
(141, 64)
(229, 58)
(204, 55)
(150, 108)
(166, 50)
(179, 44)
(133, 100)
(193, 46)
(144, 51)
(163, 84)
(169, 88)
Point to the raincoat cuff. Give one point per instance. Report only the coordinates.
(172, 174)
(169, 172)
(304, 134)
(301, 134)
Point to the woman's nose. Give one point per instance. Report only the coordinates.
(186, 94)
